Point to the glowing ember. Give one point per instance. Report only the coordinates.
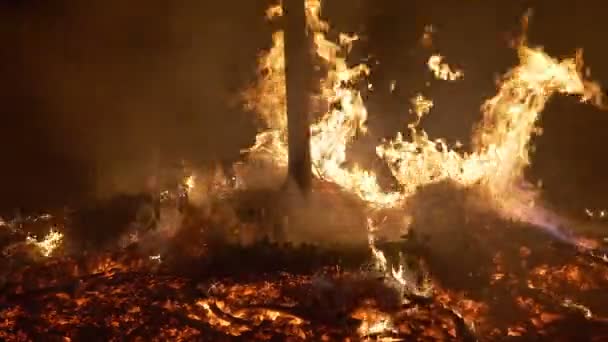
(374, 322)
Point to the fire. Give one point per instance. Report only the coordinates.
(493, 168)
(274, 11)
(443, 71)
(45, 247)
(421, 106)
(501, 140)
(290, 306)
(50, 243)
(190, 183)
(335, 130)
(373, 322)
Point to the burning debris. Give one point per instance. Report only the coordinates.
(451, 252)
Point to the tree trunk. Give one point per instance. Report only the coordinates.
(298, 81)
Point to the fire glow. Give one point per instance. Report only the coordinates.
(384, 302)
(501, 141)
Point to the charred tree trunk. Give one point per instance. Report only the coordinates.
(298, 67)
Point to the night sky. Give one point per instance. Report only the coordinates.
(91, 89)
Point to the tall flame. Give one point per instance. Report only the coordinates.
(501, 141)
(268, 99)
(335, 130)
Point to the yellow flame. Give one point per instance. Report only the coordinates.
(443, 71)
(274, 11)
(380, 262)
(421, 107)
(331, 134)
(268, 96)
(190, 183)
(374, 323)
(50, 243)
(501, 141)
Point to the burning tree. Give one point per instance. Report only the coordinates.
(179, 283)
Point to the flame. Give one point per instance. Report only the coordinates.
(49, 243)
(494, 167)
(190, 183)
(421, 106)
(374, 322)
(501, 139)
(274, 11)
(335, 129)
(267, 98)
(443, 71)
(380, 262)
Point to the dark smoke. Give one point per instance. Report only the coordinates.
(100, 91)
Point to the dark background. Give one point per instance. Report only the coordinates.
(92, 90)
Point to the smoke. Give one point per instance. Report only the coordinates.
(119, 84)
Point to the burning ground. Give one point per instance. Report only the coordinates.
(439, 243)
(479, 278)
